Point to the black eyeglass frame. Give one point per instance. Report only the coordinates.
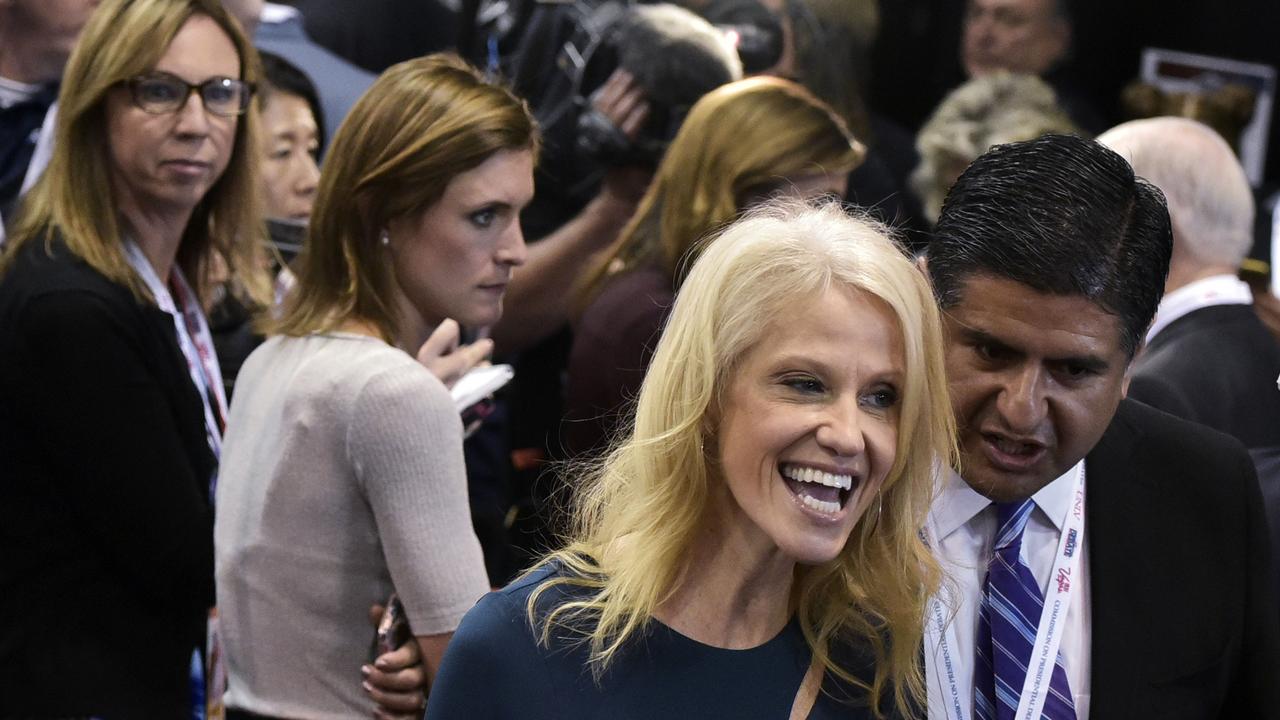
(135, 83)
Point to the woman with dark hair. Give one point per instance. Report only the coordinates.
(292, 133)
(292, 136)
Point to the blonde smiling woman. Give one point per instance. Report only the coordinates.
(759, 521)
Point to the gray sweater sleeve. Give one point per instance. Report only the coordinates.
(405, 445)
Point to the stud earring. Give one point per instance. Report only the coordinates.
(385, 238)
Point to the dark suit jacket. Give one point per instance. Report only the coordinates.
(106, 534)
(1184, 622)
(1216, 366)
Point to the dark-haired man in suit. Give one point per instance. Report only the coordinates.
(1110, 561)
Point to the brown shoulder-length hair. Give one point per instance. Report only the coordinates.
(422, 123)
(74, 198)
(739, 142)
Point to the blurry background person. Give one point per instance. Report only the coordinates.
(110, 405)
(1208, 357)
(279, 29)
(376, 34)
(343, 476)
(761, 518)
(292, 135)
(1032, 37)
(992, 109)
(36, 38)
(741, 144)
(289, 142)
(1020, 36)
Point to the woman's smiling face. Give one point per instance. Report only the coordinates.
(809, 425)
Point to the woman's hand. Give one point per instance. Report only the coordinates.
(446, 359)
(396, 681)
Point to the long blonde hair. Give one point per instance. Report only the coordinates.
(74, 198)
(637, 513)
(739, 140)
(421, 124)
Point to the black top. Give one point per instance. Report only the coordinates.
(106, 530)
(495, 668)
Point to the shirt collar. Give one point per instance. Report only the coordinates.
(1205, 292)
(957, 503)
(274, 14)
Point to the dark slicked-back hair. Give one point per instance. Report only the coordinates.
(1064, 216)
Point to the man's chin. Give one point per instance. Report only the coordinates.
(1002, 484)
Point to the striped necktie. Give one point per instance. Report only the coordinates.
(1007, 621)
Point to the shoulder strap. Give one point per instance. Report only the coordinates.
(807, 694)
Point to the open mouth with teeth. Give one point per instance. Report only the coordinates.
(1011, 447)
(817, 490)
(1011, 455)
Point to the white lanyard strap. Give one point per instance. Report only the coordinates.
(1057, 601)
(194, 339)
(940, 633)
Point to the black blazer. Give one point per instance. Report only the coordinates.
(106, 530)
(1216, 366)
(1184, 622)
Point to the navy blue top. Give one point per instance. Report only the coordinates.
(495, 668)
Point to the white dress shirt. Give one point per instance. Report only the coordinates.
(1203, 293)
(962, 526)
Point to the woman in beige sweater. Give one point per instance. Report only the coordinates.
(343, 477)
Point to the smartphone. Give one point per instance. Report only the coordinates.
(393, 628)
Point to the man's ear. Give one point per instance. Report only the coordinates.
(1128, 369)
(922, 264)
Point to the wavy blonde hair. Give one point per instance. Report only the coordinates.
(74, 198)
(422, 123)
(740, 140)
(994, 109)
(637, 513)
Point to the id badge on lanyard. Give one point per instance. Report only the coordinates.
(940, 635)
(195, 340)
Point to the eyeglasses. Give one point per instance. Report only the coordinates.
(161, 93)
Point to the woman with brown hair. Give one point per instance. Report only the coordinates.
(343, 477)
(741, 143)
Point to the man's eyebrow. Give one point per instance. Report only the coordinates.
(1092, 363)
(1089, 362)
(974, 336)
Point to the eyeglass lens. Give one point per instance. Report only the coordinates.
(164, 93)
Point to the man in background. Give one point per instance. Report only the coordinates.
(36, 39)
(1029, 37)
(1208, 357)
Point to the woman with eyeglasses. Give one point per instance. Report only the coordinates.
(111, 407)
